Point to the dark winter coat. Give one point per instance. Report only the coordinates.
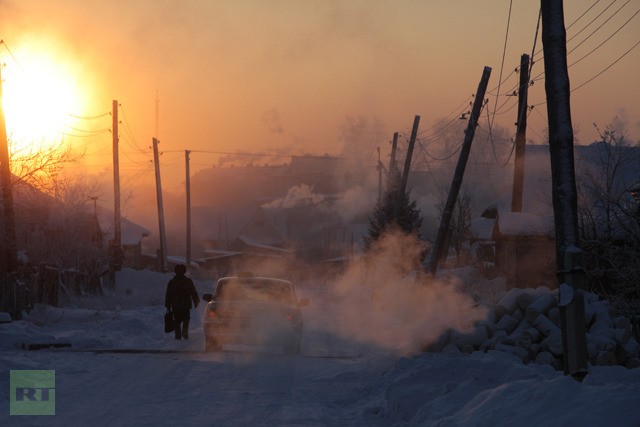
(180, 292)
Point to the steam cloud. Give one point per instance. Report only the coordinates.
(299, 195)
(271, 120)
(380, 299)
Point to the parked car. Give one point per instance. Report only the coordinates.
(246, 309)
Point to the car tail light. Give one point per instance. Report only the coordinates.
(211, 314)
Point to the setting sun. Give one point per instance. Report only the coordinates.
(39, 94)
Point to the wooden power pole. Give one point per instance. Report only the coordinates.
(407, 161)
(521, 136)
(568, 253)
(407, 166)
(117, 219)
(115, 246)
(162, 253)
(380, 169)
(438, 245)
(9, 261)
(188, 191)
(394, 149)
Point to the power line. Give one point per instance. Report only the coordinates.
(97, 131)
(606, 68)
(600, 26)
(455, 115)
(75, 116)
(583, 13)
(99, 116)
(601, 72)
(127, 129)
(541, 75)
(446, 157)
(233, 153)
(504, 53)
(594, 19)
(90, 135)
(443, 128)
(2, 42)
(606, 40)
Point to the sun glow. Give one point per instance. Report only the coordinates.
(39, 95)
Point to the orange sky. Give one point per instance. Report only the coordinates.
(283, 74)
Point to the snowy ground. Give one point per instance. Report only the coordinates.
(122, 369)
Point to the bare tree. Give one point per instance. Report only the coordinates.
(69, 236)
(609, 219)
(459, 228)
(38, 164)
(361, 136)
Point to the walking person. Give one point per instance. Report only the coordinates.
(180, 292)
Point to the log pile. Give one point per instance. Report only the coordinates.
(526, 323)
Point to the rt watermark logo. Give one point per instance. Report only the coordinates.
(32, 392)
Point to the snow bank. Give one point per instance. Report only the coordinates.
(526, 324)
(497, 389)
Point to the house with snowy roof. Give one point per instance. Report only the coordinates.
(521, 246)
(131, 236)
(517, 245)
(227, 237)
(47, 227)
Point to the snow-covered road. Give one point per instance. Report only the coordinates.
(228, 388)
(122, 369)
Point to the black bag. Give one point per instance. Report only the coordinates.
(168, 322)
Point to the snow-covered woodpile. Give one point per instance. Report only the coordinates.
(526, 323)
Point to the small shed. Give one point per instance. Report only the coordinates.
(523, 247)
(132, 235)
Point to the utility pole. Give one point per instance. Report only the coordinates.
(568, 253)
(115, 247)
(407, 166)
(95, 206)
(379, 177)
(521, 136)
(438, 246)
(407, 162)
(188, 184)
(394, 149)
(9, 261)
(162, 253)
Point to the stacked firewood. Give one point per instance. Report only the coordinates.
(526, 323)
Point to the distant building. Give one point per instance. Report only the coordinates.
(522, 246)
(231, 237)
(518, 246)
(132, 235)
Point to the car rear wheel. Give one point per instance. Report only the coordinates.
(211, 344)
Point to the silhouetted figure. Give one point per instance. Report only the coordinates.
(180, 292)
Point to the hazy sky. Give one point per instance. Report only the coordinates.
(283, 75)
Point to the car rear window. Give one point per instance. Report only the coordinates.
(255, 290)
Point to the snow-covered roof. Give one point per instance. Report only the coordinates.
(255, 244)
(507, 224)
(131, 233)
(226, 224)
(524, 224)
(218, 253)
